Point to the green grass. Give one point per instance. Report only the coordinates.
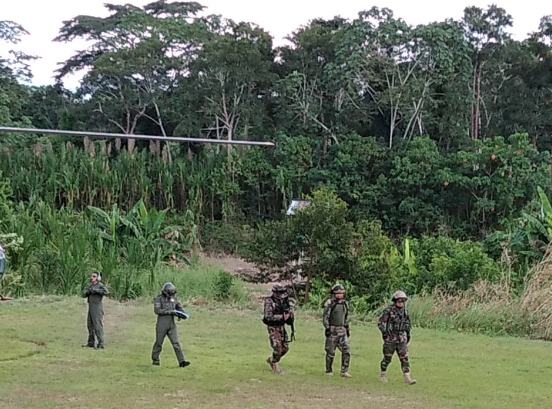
(44, 366)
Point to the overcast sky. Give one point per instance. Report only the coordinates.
(43, 19)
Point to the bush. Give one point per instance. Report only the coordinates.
(452, 264)
(218, 237)
(223, 284)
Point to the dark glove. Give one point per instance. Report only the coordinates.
(348, 333)
(327, 332)
(384, 335)
(407, 337)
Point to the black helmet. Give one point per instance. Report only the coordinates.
(168, 289)
(338, 289)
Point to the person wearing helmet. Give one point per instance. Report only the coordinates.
(394, 324)
(336, 325)
(95, 293)
(165, 305)
(277, 311)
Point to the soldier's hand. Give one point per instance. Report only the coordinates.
(384, 336)
(348, 332)
(286, 315)
(327, 332)
(407, 337)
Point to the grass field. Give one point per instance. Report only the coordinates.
(44, 366)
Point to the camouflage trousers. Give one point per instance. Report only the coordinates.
(389, 348)
(338, 339)
(279, 342)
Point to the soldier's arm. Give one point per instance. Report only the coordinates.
(86, 292)
(102, 290)
(347, 315)
(382, 321)
(179, 306)
(269, 312)
(326, 314)
(408, 323)
(158, 309)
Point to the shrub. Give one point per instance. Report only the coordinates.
(451, 264)
(223, 284)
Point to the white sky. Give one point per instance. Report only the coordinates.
(43, 19)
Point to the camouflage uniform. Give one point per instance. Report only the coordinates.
(273, 317)
(94, 294)
(336, 323)
(394, 324)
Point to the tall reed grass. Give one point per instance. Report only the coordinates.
(492, 308)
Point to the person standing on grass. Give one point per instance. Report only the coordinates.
(394, 324)
(336, 325)
(277, 311)
(165, 306)
(95, 293)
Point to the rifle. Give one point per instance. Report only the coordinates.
(291, 320)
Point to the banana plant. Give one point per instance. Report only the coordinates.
(109, 222)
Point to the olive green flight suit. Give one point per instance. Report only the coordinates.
(163, 307)
(95, 294)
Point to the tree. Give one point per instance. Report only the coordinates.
(231, 77)
(137, 56)
(486, 32)
(309, 99)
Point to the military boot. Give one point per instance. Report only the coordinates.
(345, 375)
(273, 365)
(383, 376)
(100, 346)
(184, 364)
(408, 379)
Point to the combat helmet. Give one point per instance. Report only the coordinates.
(399, 295)
(279, 289)
(338, 289)
(168, 289)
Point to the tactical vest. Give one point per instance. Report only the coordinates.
(398, 321)
(334, 304)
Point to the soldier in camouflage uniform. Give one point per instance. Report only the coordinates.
(336, 324)
(277, 311)
(394, 324)
(165, 305)
(95, 293)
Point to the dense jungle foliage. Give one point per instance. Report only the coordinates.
(423, 150)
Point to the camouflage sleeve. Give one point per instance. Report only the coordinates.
(383, 319)
(86, 292)
(408, 323)
(326, 314)
(158, 307)
(269, 312)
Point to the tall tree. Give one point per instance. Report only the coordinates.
(137, 55)
(486, 32)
